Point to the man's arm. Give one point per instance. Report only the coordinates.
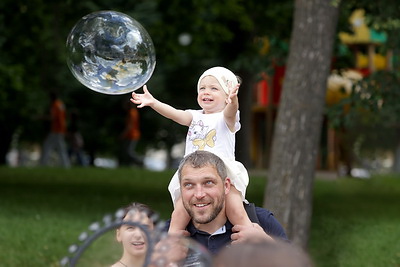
(270, 224)
(268, 229)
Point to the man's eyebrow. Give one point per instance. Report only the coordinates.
(199, 179)
(185, 180)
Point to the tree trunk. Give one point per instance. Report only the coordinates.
(299, 121)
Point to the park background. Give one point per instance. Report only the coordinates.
(250, 37)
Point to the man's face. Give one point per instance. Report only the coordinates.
(203, 194)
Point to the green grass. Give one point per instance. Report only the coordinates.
(356, 222)
(44, 210)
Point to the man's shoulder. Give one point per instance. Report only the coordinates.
(263, 211)
(255, 213)
(269, 223)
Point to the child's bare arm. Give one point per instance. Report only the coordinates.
(232, 108)
(146, 99)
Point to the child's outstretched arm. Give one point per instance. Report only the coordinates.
(232, 108)
(146, 99)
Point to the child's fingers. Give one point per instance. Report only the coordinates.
(135, 97)
(236, 89)
(145, 89)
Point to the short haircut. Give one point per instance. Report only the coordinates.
(201, 158)
(139, 207)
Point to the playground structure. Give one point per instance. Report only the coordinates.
(364, 43)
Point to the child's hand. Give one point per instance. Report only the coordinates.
(145, 99)
(233, 94)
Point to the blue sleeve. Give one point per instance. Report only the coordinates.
(166, 225)
(270, 225)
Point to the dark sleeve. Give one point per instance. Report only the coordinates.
(270, 225)
(166, 225)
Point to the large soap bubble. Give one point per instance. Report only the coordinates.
(110, 52)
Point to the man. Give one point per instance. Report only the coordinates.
(204, 185)
(56, 137)
(131, 136)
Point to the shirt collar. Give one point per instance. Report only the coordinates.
(193, 230)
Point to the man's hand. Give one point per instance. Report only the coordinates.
(252, 233)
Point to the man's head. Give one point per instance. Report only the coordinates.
(204, 185)
(201, 158)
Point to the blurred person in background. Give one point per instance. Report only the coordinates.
(131, 136)
(55, 140)
(132, 238)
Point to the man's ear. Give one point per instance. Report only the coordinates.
(227, 185)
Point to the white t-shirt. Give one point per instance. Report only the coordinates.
(209, 132)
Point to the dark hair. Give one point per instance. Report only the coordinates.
(201, 158)
(139, 207)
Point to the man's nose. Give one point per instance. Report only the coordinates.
(199, 192)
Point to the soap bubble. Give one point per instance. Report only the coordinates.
(180, 251)
(110, 53)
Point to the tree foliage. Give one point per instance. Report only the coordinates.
(33, 62)
(381, 16)
(370, 115)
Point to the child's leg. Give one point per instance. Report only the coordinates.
(235, 210)
(179, 218)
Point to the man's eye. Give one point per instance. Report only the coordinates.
(209, 183)
(188, 185)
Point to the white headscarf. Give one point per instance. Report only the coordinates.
(226, 78)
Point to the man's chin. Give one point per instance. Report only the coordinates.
(202, 219)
